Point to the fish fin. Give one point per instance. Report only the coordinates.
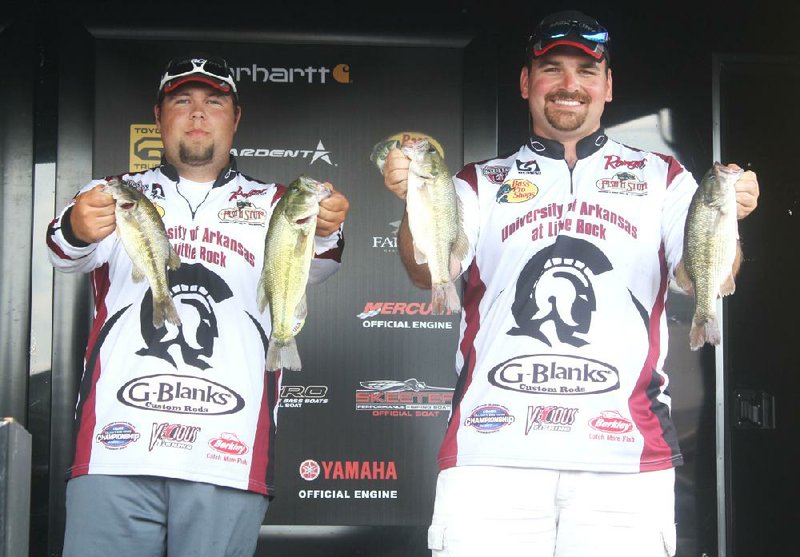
(137, 275)
(444, 299)
(419, 257)
(300, 312)
(283, 356)
(164, 310)
(728, 286)
(174, 260)
(682, 278)
(261, 294)
(704, 331)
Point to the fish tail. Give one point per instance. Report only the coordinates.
(704, 330)
(164, 310)
(444, 299)
(283, 356)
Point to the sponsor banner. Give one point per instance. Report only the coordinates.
(404, 315)
(145, 147)
(311, 470)
(624, 183)
(117, 435)
(489, 418)
(409, 398)
(387, 243)
(495, 174)
(180, 394)
(550, 418)
(173, 436)
(555, 374)
(517, 190)
(308, 75)
(610, 425)
(227, 447)
(296, 396)
(320, 153)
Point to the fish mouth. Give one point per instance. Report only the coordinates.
(127, 205)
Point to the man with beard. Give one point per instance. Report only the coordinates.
(176, 428)
(560, 441)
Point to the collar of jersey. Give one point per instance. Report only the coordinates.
(225, 175)
(554, 150)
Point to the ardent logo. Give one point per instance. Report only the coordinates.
(180, 394)
(555, 374)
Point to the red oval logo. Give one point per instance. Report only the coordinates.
(228, 443)
(611, 421)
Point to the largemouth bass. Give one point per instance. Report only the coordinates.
(710, 249)
(288, 250)
(142, 233)
(434, 218)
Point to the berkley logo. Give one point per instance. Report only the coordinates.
(611, 421)
(489, 418)
(516, 191)
(624, 183)
(555, 374)
(614, 161)
(495, 174)
(349, 469)
(228, 443)
(180, 394)
(244, 213)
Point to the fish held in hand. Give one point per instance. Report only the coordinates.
(288, 250)
(434, 218)
(144, 237)
(710, 249)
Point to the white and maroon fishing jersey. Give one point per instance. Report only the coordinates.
(192, 402)
(564, 330)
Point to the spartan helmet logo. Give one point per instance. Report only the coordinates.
(556, 286)
(196, 290)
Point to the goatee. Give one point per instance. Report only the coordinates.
(196, 157)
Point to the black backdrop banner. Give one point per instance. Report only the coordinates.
(360, 425)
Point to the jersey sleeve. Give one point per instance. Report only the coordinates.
(66, 252)
(467, 190)
(327, 256)
(681, 186)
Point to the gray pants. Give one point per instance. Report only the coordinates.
(140, 516)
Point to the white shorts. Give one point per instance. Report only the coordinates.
(521, 512)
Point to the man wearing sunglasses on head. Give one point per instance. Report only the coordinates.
(176, 427)
(560, 441)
